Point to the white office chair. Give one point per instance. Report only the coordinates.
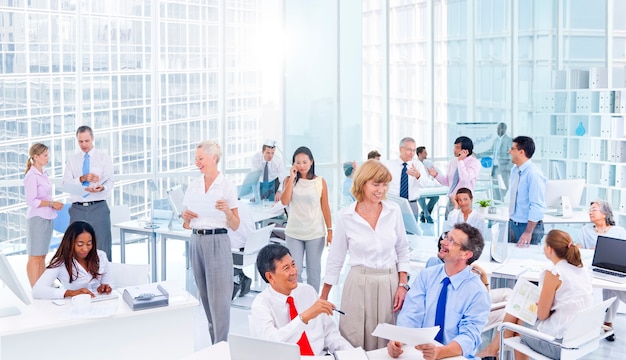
(582, 336)
(125, 275)
(256, 240)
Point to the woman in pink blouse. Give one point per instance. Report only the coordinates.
(40, 213)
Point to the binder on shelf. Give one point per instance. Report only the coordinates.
(617, 102)
(146, 296)
(598, 78)
(583, 102)
(579, 79)
(607, 100)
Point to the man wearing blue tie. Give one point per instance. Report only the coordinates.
(94, 170)
(450, 296)
(406, 174)
(271, 166)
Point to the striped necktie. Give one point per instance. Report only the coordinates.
(404, 183)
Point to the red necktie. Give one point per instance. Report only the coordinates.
(305, 346)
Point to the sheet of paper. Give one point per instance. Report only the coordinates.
(74, 189)
(93, 311)
(409, 336)
(352, 354)
(202, 207)
(523, 301)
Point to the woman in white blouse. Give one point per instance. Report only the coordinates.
(463, 213)
(373, 232)
(77, 264)
(565, 290)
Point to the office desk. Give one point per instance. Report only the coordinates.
(45, 330)
(578, 217)
(222, 352)
(138, 227)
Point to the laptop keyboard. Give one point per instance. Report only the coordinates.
(608, 272)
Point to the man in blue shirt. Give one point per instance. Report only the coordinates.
(527, 191)
(467, 303)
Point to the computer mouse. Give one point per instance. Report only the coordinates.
(59, 302)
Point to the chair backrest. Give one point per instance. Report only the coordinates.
(256, 240)
(586, 325)
(125, 275)
(119, 213)
(62, 221)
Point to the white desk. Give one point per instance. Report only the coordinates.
(222, 352)
(45, 330)
(578, 217)
(138, 227)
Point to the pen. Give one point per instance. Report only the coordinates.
(339, 311)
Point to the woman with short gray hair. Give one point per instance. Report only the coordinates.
(602, 223)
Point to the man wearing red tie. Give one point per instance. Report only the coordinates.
(287, 311)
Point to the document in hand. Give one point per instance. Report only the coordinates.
(146, 296)
(523, 301)
(409, 336)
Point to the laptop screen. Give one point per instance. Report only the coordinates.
(609, 254)
(245, 348)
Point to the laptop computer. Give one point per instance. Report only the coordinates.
(245, 348)
(608, 260)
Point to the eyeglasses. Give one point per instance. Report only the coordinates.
(451, 241)
(593, 209)
(409, 149)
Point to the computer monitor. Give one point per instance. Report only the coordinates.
(175, 197)
(408, 217)
(572, 188)
(249, 183)
(8, 277)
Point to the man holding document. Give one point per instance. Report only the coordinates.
(449, 296)
(88, 177)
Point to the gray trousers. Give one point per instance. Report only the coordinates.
(313, 249)
(98, 216)
(212, 266)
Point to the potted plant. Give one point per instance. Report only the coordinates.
(484, 205)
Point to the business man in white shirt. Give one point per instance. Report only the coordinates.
(271, 166)
(272, 317)
(413, 169)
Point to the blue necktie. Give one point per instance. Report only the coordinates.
(266, 172)
(86, 168)
(404, 183)
(440, 315)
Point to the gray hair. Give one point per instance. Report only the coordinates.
(605, 208)
(405, 140)
(212, 148)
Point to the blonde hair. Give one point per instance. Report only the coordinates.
(35, 149)
(370, 170)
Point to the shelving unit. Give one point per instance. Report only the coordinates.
(584, 136)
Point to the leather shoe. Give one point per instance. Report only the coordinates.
(235, 290)
(245, 286)
(610, 338)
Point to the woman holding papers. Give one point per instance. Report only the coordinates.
(40, 213)
(565, 289)
(463, 213)
(77, 264)
(373, 232)
(309, 222)
(211, 202)
(602, 223)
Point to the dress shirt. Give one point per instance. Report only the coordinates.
(530, 202)
(220, 189)
(588, 237)
(270, 320)
(395, 168)
(44, 289)
(37, 187)
(275, 168)
(347, 187)
(475, 219)
(247, 225)
(467, 306)
(385, 247)
(100, 164)
(468, 173)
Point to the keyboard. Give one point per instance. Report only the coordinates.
(103, 297)
(609, 272)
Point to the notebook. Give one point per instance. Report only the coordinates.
(608, 260)
(245, 348)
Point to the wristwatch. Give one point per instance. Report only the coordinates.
(405, 286)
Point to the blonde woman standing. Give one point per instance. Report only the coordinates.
(40, 213)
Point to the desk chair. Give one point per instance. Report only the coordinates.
(60, 224)
(119, 214)
(256, 240)
(581, 337)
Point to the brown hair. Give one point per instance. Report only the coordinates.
(370, 170)
(35, 149)
(564, 247)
